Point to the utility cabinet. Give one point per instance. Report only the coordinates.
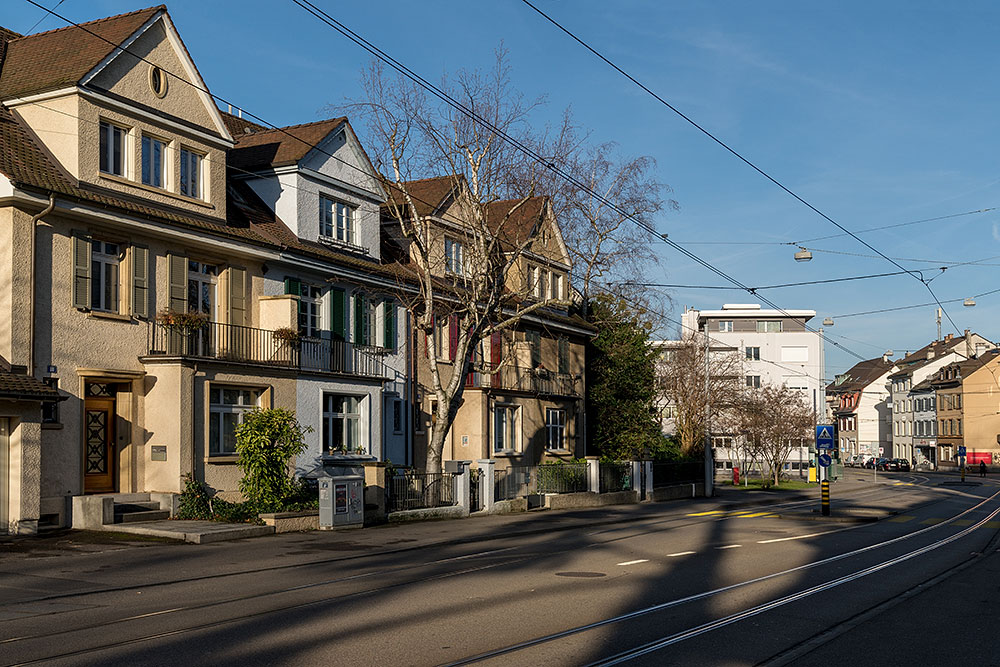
(341, 501)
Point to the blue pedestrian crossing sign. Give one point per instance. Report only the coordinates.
(824, 436)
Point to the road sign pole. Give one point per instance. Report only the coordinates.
(825, 497)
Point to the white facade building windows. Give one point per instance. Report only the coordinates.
(113, 149)
(555, 426)
(768, 326)
(336, 220)
(104, 276)
(725, 326)
(753, 381)
(226, 409)
(753, 353)
(310, 302)
(341, 423)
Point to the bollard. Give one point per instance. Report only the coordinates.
(825, 498)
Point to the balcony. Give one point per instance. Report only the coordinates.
(260, 347)
(531, 380)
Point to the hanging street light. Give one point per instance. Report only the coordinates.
(828, 322)
(803, 255)
(969, 303)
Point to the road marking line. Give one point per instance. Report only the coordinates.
(931, 521)
(730, 546)
(963, 522)
(993, 524)
(756, 514)
(680, 553)
(707, 513)
(802, 537)
(902, 518)
(635, 562)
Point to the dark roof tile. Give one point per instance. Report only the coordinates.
(278, 147)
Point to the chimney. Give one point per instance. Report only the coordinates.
(947, 338)
(968, 345)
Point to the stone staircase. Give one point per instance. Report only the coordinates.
(102, 511)
(135, 512)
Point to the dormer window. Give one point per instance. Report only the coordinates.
(336, 220)
(113, 146)
(454, 257)
(191, 173)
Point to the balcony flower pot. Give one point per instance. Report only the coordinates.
(185, 322)
(288, 337)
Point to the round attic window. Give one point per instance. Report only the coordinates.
(157, 81)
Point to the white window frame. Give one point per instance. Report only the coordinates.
(336, 220)
(725, 326)
(203, 275)
(769, 326)
(454, 257)
(107, 152)
(157, 175)
(555, 429)
(310, 313)
(753, 381)
(511, 419)
(350, 425)
(216, 410)
(105, 276)
(753, 353)
(192, 183)
(555, 286)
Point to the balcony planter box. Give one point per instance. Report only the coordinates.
(292, 522)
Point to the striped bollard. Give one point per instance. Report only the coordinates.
(825, 491)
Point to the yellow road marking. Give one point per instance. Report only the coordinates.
(932, 521)
(707, 513)
(755, 514)
(902, 518)
(993, 524)
(963, 522)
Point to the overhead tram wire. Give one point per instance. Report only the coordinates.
(339, 27)
(738, 155)
(322, 16)
(779, 286)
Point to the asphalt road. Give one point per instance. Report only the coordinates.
(686, 583)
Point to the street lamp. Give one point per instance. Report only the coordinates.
(803, 255)
(828, 322)
(969, 303)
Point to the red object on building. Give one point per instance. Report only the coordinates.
(975, 458)
(736, 475)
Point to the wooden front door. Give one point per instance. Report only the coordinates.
(99, 461)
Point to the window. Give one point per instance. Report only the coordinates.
(104, 261)
(725, 326)
(157, 81)
(309, 310)
(191, 173)
(454, 257)
(365, 320)
(753, 353)
(336, 220)
(397, 415)
(958, 423)
(753, 381)
(226, 409)
(341, 423)
(50, 409)
(555, 425)
(540, 283)
(505, 428)
(768, 326)
(152, 161)
(555, 286)
(201, 287)
(113, 149)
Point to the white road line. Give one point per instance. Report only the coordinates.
(635, 562)
(730, 546)
(802, 537)
(680, 553)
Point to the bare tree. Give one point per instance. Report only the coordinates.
(772, 420)
(475, 273)
(682, 376)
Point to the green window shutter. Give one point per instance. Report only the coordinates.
(337, 311)
(293, 286)
(237, 296)
(389, 316)
(535, 339)
(81, 270)
(563, 356)
(359, 311)
(177, 279)
(140, 281)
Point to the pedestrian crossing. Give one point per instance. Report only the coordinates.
(726, 514)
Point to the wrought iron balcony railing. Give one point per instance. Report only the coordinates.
(228, 342)
(517, 378)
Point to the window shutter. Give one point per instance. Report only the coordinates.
(293, 286)
(177, 278)
(81, 270)
(337, 298)
(359, 311)
(389, 318)
(535, 339)
(496, 355)
(140, 281)
(563, 356)
(237, 296)
(452, 336)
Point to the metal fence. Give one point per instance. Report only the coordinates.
(562, 478)
(616, 477)
(414, 491)
(512, 483)
(668, 474)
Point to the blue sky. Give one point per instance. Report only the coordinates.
(876, 113)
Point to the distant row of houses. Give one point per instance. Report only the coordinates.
(167, 266)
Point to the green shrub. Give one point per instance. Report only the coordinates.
(198, 504)
(266, 442)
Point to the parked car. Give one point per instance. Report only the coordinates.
(883, 463)
(869, 462)
(899, 465)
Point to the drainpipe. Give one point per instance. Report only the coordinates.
(31, 282)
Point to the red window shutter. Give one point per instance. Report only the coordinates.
(452, 336)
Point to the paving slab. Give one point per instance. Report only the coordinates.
(195, 532)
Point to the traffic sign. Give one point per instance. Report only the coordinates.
(961, 450)
(824, 436)
(881, 450)
(825, 460)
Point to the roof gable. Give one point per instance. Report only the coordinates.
(279, 147)
(59, 58)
